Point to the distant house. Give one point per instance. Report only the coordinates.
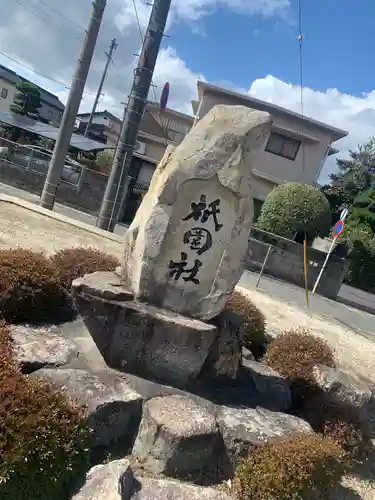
(295, 150)
(52, 108)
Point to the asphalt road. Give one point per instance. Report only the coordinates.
(58, 207)
(359, 321)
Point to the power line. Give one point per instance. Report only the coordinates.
(40, 74)
(300, 40)
(46, 21)
(142, 39)
(62, 15)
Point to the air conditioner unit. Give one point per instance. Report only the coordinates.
(140, 148)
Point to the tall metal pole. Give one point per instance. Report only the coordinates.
(72, 106)
(117, 186)
(112, 48)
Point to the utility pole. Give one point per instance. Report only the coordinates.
(112, 48)
(117, 187)
(72, 106)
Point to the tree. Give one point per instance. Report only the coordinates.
(292, 207)
(27, 100)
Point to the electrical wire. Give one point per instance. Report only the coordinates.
(142, 39)
(300, 41)
(29, 68)
(46, 20)
(62, 15)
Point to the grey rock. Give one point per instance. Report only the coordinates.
(213, 164)
(158, 344)
(271, 386)
(177, 437)
(166, 489)
(245, 428)
(113, 407)
(36, 347)
(111, 481)
(344, 387)
(102, 284)
(247, 355)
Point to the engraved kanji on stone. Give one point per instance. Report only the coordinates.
(203, 211)
(179, 269)
(199, 238)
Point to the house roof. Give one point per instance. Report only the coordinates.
(173, 112)
(45, 96)
(250, 101)
(101, 113)
(25, 123)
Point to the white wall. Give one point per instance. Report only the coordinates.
(5, 103)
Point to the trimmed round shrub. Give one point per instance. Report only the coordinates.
(292, 207)
(72, 263)
(254, 323)
(294, 355)
(341, 422)
(30, 290)
(304, 467)
(43, 437)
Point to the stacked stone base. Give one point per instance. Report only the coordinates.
(154, 343)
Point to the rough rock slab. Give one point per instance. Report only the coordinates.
(187, 245)
(158, 344)
(271, 386)
(344, 387)
(177, 437)
(104, 284)
(113, 408)
(110, 481)
(166, 489)
(38, 347)
(244, 428)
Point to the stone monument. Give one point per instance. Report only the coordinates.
(162, 315)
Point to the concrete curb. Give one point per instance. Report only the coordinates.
(61, 218)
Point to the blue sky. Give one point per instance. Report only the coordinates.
(246, 45)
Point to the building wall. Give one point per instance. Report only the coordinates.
(47, 111)
(6, 102)
(277, 168)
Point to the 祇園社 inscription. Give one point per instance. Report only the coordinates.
(186, 248)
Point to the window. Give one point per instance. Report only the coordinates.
(4, 93)
(49, 113)
(283, 146)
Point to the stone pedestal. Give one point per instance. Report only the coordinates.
(156, 343)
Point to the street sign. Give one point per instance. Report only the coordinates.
(164, 97)
(338, 228)
(344, 214)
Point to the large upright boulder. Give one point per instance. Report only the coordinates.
(186, 248)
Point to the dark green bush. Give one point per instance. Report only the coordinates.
(72, 263)
(292, 207)
(305, 467)
(42, 435)
(294, 354)
(254, 323)
(30, 290)
(341, 422)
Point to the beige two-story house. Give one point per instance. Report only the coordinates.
(295, 150)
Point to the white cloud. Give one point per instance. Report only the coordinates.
(356, 114)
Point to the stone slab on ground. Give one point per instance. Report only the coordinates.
(274, 388)
(115, 481)
(38, 347)
(113, 408)
(155, 343)
(245, 428)
(344, 387)
(177, 437)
